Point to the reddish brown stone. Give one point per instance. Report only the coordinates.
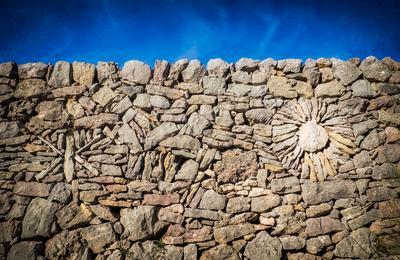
(116, 188)
(236, 166)
(160, 200)
(33, 189)
(116, 203)
(390, 208)
(198, 235)
(69, 91)
(174, 235)
(382, 101)
(323, 225)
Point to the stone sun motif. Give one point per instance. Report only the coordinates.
(309, 136)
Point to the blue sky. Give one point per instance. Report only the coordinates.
(119, 30)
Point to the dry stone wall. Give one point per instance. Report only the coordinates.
(252, 160)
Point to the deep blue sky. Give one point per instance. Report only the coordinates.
(147, 30)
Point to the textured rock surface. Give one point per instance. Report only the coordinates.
(250, 160)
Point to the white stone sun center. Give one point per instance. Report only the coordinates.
(312, 137)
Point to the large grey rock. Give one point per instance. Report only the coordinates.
(315, 193)
(259, 77)
(191, 88)
(49, 110)
(83, 73)
(265, 203)
(304, 89)
(31, 189)
(128, 136)
(217, 67)
(220, 252)
(239, 89)
(8, 69)
(213, 85)
(226, 234)
(39, 219)
(371, 141)
(346, 72)
(268, 65)
(138, 222)
(61, 75)
(32, 70)
(5, 201)
(375, 70)
(190, 252)
(318, 210)
(95, 121)
(181, 142)
(145, 250)
(363, 219)
(193, 72)
(263, 246)
(389, 153)
(61, 192)
(259, 115)
(364, 126)
(384, 171)
(322, 226)
(110, 170)
(380, 194)
(158, 134)
(237, 205)
(224, 119)
(177, 68)
(107, 71)
(317, 244)
(170, 93)
(73, 216)
(330, 89)
(103, 96)
(103, 212)
(159, 102)
(98, 237)
(8, 129)
(202, 100)
(242, 77)
(360, 244)
(188, 171)
(195, 125)
(136, 72)
(69, 91)
(290, 65)
(201, 213)
(286, 185)
(362, 88)
(173, 252)
(212, 200)
(30, 88)
(246, 64)
(292, 242)
(9, 230)
(281, 87)
(362, 159)
(142, 101)
(26, 250)
(123, 105)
